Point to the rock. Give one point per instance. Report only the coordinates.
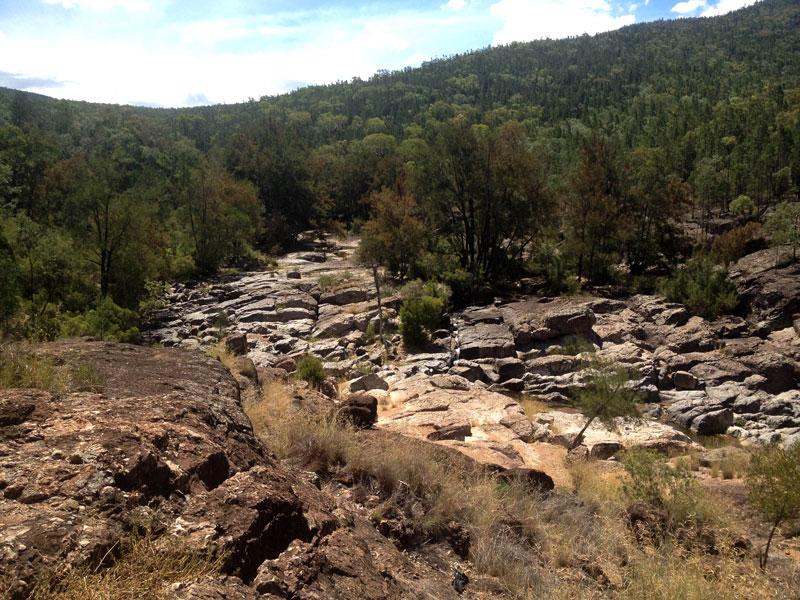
(460, 581)
(367, 382)
(360, 409)
(236, 344)
(485, 340)
(293, 275)
(542, 319)
(453, 431)
(769, 284)
(509, 368)
(533, 478)
(213, 588)
(448, 409)
(329, 388)
(684, 380)
(605, 450)
(713, 422)
(561, 428)
(167, 424)
(336, 325)
(347, 295)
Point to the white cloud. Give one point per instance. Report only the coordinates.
(689, 6)
(97, 67)
(525, 20)
(725, 6)
(455, 4)
(131, 5)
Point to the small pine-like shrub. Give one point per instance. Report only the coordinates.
(703, 287)
(310, 369)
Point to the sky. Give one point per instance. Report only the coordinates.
(193, 52)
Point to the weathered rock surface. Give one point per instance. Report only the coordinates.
(166, 442)
(529, 345)
(770, 283)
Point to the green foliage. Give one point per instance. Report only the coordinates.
(773, 482)
(422, 311)
(704, 288)
(572, 346)
(743, 206)
(107, 322)
(652, 480)
(783, 226)
(9, 286)
(616, 141)
(395, 236)
(310, 369)
(606, 394)
(155, 298)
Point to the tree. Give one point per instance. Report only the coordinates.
(394, 237)
(594, 212)
(484, 191)
(783, 226)
(606, 396)
(703, 287)
(774, 485)
(422, 311)
(9, 286)
(222, 214)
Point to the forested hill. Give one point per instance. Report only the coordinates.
(709, 58)
(643, 125)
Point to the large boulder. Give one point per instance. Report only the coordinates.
(485, 340)
(769, 283)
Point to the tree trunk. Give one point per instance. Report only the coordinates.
(380, 305)
(765, 556)
(579, 438)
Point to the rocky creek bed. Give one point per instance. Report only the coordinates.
(736, 375)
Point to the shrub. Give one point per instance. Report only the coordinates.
(422, 311)
(703, 287)
(783, 226)
(310, 369)
(106, 322)
(732, 245)
(742, 206)
(674, 489)
(774, 486)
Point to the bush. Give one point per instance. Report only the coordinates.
(774, 486)
(310, 369)
(742, 206)
(422, 311)
(734, 244)
(106, 322)
(674, 489)
(703, 287)
(783, 226)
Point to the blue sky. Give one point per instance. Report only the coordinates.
(187, 52)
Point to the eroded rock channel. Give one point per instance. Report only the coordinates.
(735, 375)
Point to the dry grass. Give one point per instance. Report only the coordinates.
(22, 367)
(144, 570)
(564, 545)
